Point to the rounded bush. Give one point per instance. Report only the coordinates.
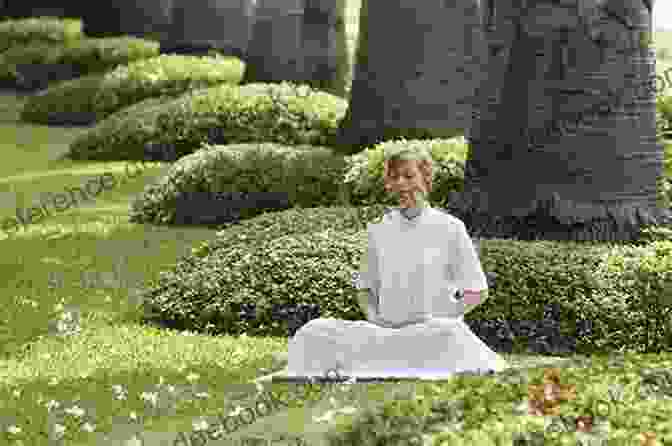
(306, 257)
(365, 170)
(226, 114)
(98, 96)
(276, 260)
(75, 58)
(45, 29)
(298, 176)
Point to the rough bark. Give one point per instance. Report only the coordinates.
(324, 46)
(417, 68)
(274, 52)
(533, 173)
(301, 41)
(215, 24)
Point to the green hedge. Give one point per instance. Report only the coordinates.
(365, 169)
(310, 176)
(45, 29)
(321, 176)
(95, 97)
(307, 256)
(83, 56)
(226, 114)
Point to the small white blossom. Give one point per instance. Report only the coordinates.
(200, 425)
(88, 427)
(150, 396)
(237, 411)
(52, 404)
(192, 377)
(202, 395)
(14, 430)
(327, 417)
(133, 416)
(75, 410)
(59, 430)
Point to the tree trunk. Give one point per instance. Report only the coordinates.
(300, 41)
(564, 147)
(199, 25)
(274, 52)
(407, 82)
(324, 46)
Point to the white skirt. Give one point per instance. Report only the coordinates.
(437, 348)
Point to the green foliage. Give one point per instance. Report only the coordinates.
(225, 114)
(642, 278)
(45, 29)
(365, 171)
(100, 95)
(409, 417)
(664, 117)
(307, 256)
(84, 55)
(311, 176)
(290, 256)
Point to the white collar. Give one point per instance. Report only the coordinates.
(412, 220)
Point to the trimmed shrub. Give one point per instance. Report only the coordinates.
(133, 120)
(98, 96)
(306, 257)
(664, 117)
(301, 176)
(226, 114)
(45, 29)
(309, 176)
(35, 64)
(365, 171)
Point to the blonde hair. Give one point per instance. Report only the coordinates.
(420, 155)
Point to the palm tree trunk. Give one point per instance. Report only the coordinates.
(596, 176)
(324, 46)
(418, 65)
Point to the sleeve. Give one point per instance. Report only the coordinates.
(466, 267)
(369, 275)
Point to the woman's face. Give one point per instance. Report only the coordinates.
(406, 184)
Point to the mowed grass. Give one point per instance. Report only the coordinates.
(118, 377)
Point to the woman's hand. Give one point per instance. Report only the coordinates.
(473, 298)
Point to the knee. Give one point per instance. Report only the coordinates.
(314, 325)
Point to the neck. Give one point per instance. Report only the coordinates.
(414, 211)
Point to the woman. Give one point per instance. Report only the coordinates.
(417, 258)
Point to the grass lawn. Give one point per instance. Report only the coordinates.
(114, 379)
(89, 260)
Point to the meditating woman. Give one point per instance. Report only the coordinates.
(417, 259)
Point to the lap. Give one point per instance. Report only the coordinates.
(346, 330)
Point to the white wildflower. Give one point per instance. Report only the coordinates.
(75, 410)
(150, 396)
(201, 425)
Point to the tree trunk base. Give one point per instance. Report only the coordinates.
(622, 223)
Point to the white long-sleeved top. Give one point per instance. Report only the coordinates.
(416, 265)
